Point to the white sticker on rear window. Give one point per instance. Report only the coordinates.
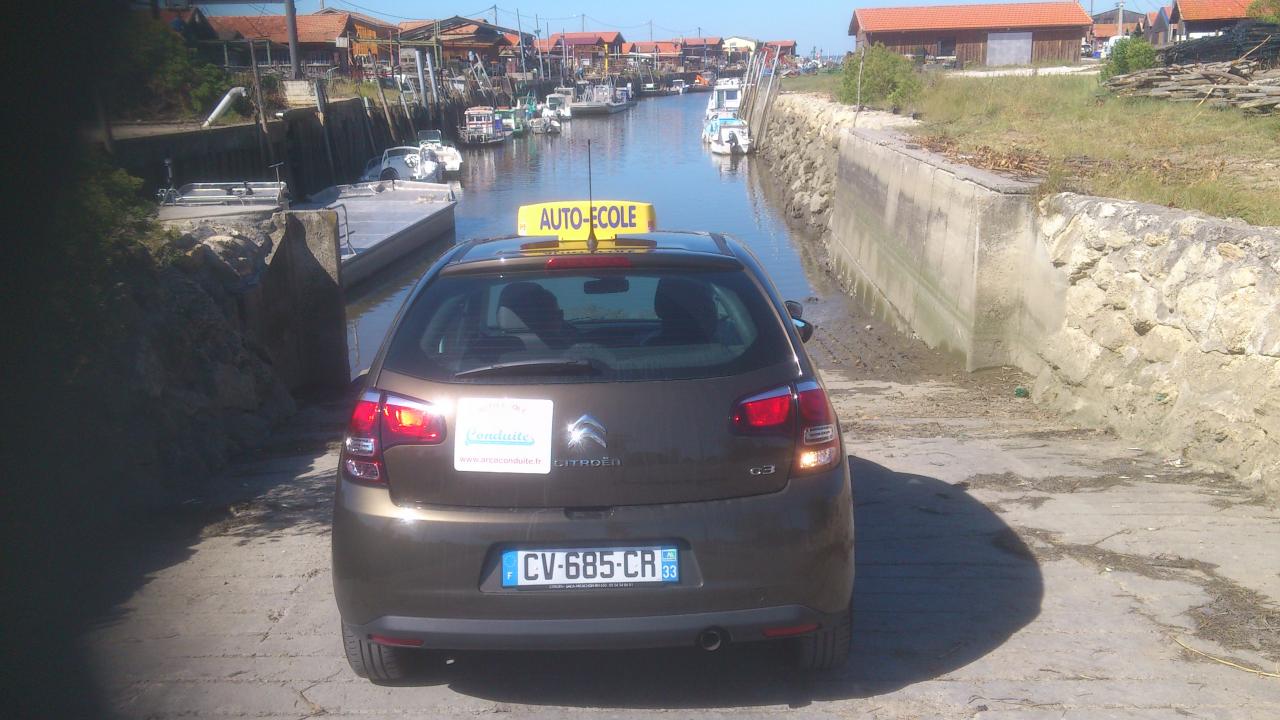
(505, 435)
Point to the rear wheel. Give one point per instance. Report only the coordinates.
(828, 648)
(368, 659)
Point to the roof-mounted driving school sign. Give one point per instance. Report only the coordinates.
(572, 220)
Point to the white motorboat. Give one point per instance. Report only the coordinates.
(559, 102)
(679, 87)
(446, 154)
(725, 96)
(403, 163)
(481, 126)
(728, 136)
(602, 99)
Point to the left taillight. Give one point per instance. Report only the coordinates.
(380, 421)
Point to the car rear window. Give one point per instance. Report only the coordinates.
(599, 325)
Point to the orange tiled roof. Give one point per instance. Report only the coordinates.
(311, 28)
(780, 43)
(649, 48)
(969, 17)
(1212, 9)
(699, 42)
(1106, 30)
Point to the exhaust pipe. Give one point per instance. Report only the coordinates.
(710, 639)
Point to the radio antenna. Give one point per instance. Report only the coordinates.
(592, 242)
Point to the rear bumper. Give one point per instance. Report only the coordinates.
(431, 573)
(594, 633)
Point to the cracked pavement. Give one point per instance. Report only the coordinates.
(1009, 565)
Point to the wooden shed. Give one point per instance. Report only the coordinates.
(992, 34)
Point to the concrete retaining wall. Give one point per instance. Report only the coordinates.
(1161, 324)
(941, 243)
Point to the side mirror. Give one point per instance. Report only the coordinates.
(804, 327)
(794, 308)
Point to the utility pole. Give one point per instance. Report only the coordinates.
(584, 22)
(650, 31)
(291, 22)
(520, 34)
(495, 14)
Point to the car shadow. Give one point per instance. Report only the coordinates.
(941, 582)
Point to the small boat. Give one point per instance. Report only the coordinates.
(601, 99)
(558, 102)
(726, 97)
(678, 87)
(446, 154)
(650, 89)
(700, 84)
(383, 222)
(222, 199)
(513, 120)
(728, 136)
(403, 163)
(545, 125)
(480, 126)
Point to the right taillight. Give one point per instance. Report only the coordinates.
(817, 441)
(381, 421)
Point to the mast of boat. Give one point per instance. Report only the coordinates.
(592, 242)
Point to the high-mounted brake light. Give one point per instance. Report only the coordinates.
(575, 262)
(382, 421)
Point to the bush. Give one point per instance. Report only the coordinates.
(887, 78)
(1265, 10)
(1129, 55)
(157, 75)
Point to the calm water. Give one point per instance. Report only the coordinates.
(652, 153)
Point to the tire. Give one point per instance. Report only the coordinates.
(378, 663)
(389, 174)
(828, 648)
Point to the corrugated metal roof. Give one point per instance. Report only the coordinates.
(969, 17)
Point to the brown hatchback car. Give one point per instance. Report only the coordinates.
(626, 447)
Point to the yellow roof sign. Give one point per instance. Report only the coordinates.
(571, 220)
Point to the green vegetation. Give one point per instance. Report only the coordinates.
(887, 79)
(155, 75)
(1265, 10)
(824, 83)
(1129, 55)
(1083, 139)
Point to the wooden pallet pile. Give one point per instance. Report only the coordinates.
(1241, 84)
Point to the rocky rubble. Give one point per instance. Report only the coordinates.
(803, 150)
(206, 391)
(1171, 332)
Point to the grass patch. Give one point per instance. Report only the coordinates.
(1080, 138)
(823, 83)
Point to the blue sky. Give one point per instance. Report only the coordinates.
(812, 23)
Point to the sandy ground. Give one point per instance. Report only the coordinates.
(1009, 565)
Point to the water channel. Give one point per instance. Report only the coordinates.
(651, 153)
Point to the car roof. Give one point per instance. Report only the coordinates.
(662, 247)
(664, 241)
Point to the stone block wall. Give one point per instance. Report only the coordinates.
(1170, 331)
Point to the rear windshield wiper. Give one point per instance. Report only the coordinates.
(526, 367)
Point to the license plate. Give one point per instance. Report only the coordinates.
(609, 567)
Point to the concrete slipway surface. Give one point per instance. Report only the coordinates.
(1009, 565)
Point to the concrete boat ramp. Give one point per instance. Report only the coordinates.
(381, 222)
